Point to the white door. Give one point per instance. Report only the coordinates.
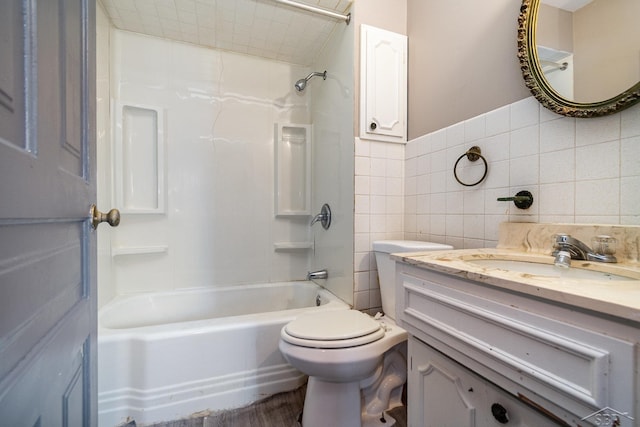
(47, 245)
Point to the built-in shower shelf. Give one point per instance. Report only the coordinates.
(292, 246)
(139, 250)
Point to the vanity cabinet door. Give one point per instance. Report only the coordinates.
(443, 393)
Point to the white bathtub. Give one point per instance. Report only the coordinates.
(165, 356)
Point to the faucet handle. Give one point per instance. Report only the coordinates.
(604, 245)
(560, 240)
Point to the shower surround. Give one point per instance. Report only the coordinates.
(219, 112)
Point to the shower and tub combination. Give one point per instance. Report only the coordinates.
(166, 355)
(202, 272)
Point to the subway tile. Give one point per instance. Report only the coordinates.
(362, 147)
(395, 151)
(362, 185)
(475, 128)
(437, 224)
(496, 148)
(598, 197)
(378, 167)
(423, 184)
(378, 204)
(454, 225)
(455, 135)
(598, 161)
(497, 175)
(524, 113)
(557, 199)
(361, 223)
(378, 223)
(362, 166)
(597, 129)
(524, 141)
(497, 121)
(438, 140)
(378, 185)
(558, 166)
(523, 171)
(473, 227)
(630, 156)
(361, 261)
(454, 202)
(630, 122)
(394, 168)
(474, 201)
(557, 134)
(393, 187)
(395, 205)
(630, 195)
(362, 204)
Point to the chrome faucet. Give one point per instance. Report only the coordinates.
(320, 274)
(568, 248)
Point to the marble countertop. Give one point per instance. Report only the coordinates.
(617, 298)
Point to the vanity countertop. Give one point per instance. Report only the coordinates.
(617, 298)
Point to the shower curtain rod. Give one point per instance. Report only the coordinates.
(315, 9)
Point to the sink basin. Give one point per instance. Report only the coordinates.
(547, 270)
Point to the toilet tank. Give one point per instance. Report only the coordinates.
(387, 266)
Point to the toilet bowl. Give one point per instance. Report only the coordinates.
(356, 363)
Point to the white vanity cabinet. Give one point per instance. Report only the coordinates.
(474, 346)
(448, 394)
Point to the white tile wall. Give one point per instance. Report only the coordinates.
(579, 171)
(378, 214)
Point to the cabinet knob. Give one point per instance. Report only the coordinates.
(373, 126)
(499, 413)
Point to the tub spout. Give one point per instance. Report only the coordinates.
(320, 274)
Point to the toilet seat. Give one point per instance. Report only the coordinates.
(332, 329)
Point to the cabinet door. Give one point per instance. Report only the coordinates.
(383, 85)
(443, 393)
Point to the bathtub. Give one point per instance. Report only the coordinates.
(165, 356)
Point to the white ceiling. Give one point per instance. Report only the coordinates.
(256, 27)
(569, 5)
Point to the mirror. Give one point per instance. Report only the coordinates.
(581, 58)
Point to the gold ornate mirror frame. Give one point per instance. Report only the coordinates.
(540, 88)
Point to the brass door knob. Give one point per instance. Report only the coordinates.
(112, 217)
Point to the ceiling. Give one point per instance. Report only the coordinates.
(569, 5)
(256, 27)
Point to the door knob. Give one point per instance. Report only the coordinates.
(112, 217)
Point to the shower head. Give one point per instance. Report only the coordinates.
(302, 83)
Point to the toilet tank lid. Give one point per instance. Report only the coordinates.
(395, 246)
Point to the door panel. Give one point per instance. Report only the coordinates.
(47, 246)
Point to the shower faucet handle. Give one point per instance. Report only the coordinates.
(324, 217)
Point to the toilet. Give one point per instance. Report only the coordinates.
(356, 363)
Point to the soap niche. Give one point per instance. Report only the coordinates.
(292, 203)
(292, 170)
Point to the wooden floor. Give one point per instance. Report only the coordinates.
(282, 409)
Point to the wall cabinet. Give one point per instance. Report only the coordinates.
(573, 366)
(383, 85)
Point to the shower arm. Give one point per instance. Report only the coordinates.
(316, 74)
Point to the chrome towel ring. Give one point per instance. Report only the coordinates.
(474, 153)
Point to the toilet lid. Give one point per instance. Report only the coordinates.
(332, 325)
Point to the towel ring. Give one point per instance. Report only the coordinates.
(474, 153)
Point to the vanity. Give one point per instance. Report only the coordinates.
(502, 336)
